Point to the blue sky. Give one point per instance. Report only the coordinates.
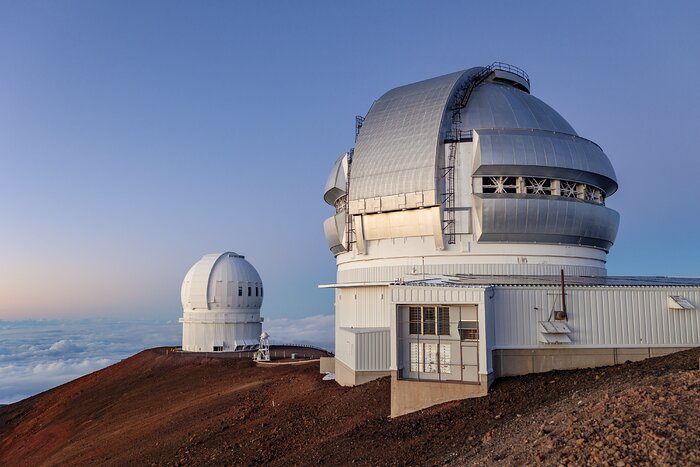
(137, 136)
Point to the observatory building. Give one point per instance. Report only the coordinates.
(471, 231)
(221, 299)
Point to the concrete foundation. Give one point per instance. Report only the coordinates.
(327, 365)
(346, 376)
(513, 362)
(410, 396)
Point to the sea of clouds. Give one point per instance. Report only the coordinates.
(38, 355)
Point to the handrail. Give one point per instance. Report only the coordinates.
(511, 69)
(457, 135)
(450, 135)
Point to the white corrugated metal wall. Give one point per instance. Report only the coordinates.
(362, 307)
(598, 316)
(202, 336)
(366, 308)
(373, 352)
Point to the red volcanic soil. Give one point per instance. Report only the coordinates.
(166, 408)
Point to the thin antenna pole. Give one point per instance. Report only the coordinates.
(563, 295)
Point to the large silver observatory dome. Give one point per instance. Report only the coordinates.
(524, 174)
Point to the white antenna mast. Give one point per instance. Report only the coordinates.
(263, 353)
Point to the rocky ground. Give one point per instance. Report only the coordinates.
(165, 408)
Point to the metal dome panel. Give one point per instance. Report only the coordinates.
(541, 153)
(336, 184)
(397, 145)
(212, 280)
(199, 281)
(334, 230)
(495, 105)
(522, 218)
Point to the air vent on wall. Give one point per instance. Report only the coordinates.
(676, 302)
(554, 332)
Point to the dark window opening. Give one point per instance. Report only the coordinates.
(414, 320)
(499, 184)
(240, 291)
(469, 330)
(443, 321)
(538, 186)
(249, 290)
(429, 320)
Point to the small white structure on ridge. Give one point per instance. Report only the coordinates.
(221, 299)
(263, 353)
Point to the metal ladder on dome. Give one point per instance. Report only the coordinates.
(349, 226)
(454, 136)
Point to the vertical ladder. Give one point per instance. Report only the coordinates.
(448, 172)
(448, 222)
(350, 229)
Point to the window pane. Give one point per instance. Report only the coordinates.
(415, 356)
(414, 320)
(469, 330)
(430, 358)
(429, 320)
(444, 321)
(445, 359)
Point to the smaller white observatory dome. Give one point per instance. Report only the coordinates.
(221, 299)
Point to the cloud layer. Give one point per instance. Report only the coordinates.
(38, 355)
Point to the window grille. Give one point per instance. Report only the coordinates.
(414, 320)
(428, 320)
(542, 186)
(445, 359)
(538, 186)
(500, 184)
(443, 321)
(569, 189)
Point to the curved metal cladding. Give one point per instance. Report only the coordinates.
(234, 268)
(516, 134)
(397, 148)
(496, 105)
(334, 229)
(336, 183)
(400, 149)
(539, 153)
(196, 284)
(545, 219)
(199, 288)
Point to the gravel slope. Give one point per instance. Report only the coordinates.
(174, 409)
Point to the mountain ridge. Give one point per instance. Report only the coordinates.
(165, 408)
